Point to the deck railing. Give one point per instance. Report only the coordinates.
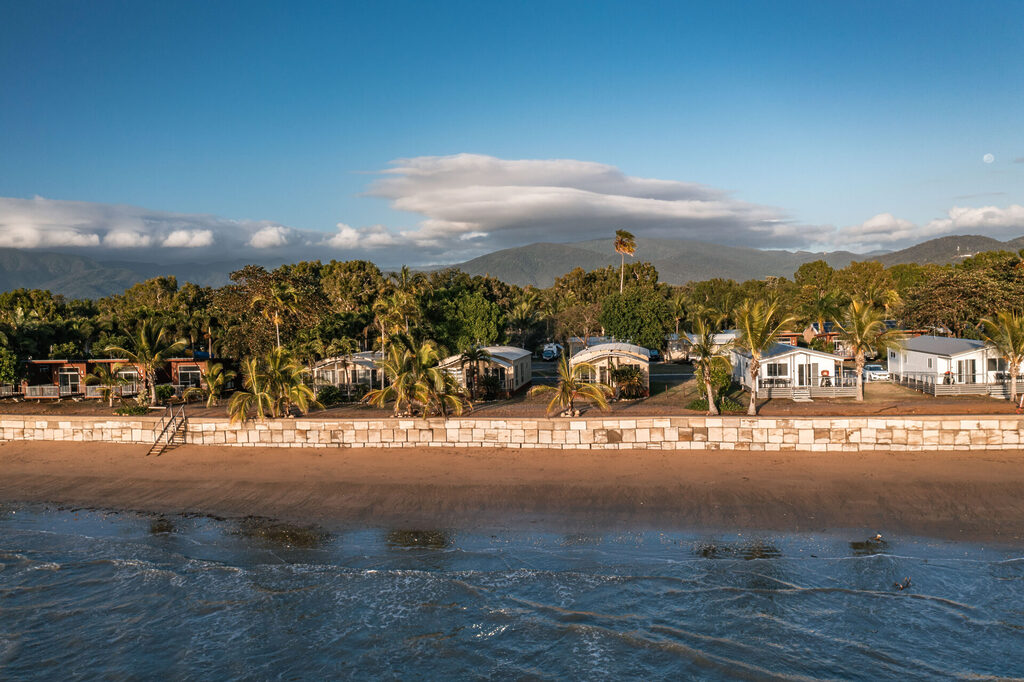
(8, 390)
(122, 390)
(43, 391)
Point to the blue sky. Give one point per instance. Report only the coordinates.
(828, 114)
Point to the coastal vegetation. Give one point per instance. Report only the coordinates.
(280, 322)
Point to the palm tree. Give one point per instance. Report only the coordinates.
(680, 302)
(1006, 333)
(285, 382)
(707, 354)
(216, 379)
(572, 387)
(151, 348)
(416, 380)
(822, 307)
(281, 299)
(521, 318)
(862, 329)
(108, 379)
(625, 243)
(397, 367)
(758, 323)
(255, 396)
(473, 357)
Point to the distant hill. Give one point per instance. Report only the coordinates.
(81, 277)
(949, 249)
(678, 261)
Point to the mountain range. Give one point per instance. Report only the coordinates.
(678, 261)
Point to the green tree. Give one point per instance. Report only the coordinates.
(758, 323)
(862, 329)
(468, 320)
(150, 349)
(255, 395)
(108, 378)
(571, 387)
(640, 316)
(416, 382)
(708, 355)
(472, 357)
(280, 300)
(1006, 333)
(625, 244)
(8, 366)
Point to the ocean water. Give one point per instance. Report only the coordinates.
(86, 594)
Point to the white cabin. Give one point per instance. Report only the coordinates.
(940, 364)
(513, 367)
(790, 371)
(348, 371)
(605, 356)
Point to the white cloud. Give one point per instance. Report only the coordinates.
(126, 239)
(28, 236)
(270, 237)
(115, 229)
(188, 239)
(373, 237)
(465, 196)
(887, 231)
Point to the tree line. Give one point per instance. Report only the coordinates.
(311, 310)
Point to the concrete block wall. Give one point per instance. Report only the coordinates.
(822, 434)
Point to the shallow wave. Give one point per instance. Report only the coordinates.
(118, 600)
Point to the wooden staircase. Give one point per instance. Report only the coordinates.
(802, 394)
(170, 432)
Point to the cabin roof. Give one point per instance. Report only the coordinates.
(615, 349)
(942, 345)
(778, 350)
(500, 355)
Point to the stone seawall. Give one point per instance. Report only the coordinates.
(666, 433)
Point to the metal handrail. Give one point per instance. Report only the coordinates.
(169, 423)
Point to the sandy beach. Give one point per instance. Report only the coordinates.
(961, 496)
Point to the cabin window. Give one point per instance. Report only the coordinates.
(129, 375)
(778, 369)
(996, 365)
(929, 363)
(892, 355)
(189, 375)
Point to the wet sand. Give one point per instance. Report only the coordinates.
(953, 495)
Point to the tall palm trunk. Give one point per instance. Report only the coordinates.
(622, 273)
(755, 371)
(860, 360)
(277, 330)
(1013, 383)
(712, 408)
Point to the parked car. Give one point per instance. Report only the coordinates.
(875, 373)
(551, 351)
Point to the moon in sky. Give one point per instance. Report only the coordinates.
(988, 158)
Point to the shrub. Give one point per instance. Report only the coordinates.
(330, 395)
(132, 410)
(725, 404)
(8, 366)
(629, 380)
(721, 380)
(164, 393)
(489, 386)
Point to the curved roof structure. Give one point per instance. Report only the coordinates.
(364, 360)
(615, 350)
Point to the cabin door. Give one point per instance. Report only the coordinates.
(69, 382)
(806, 374)
(965, 370)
